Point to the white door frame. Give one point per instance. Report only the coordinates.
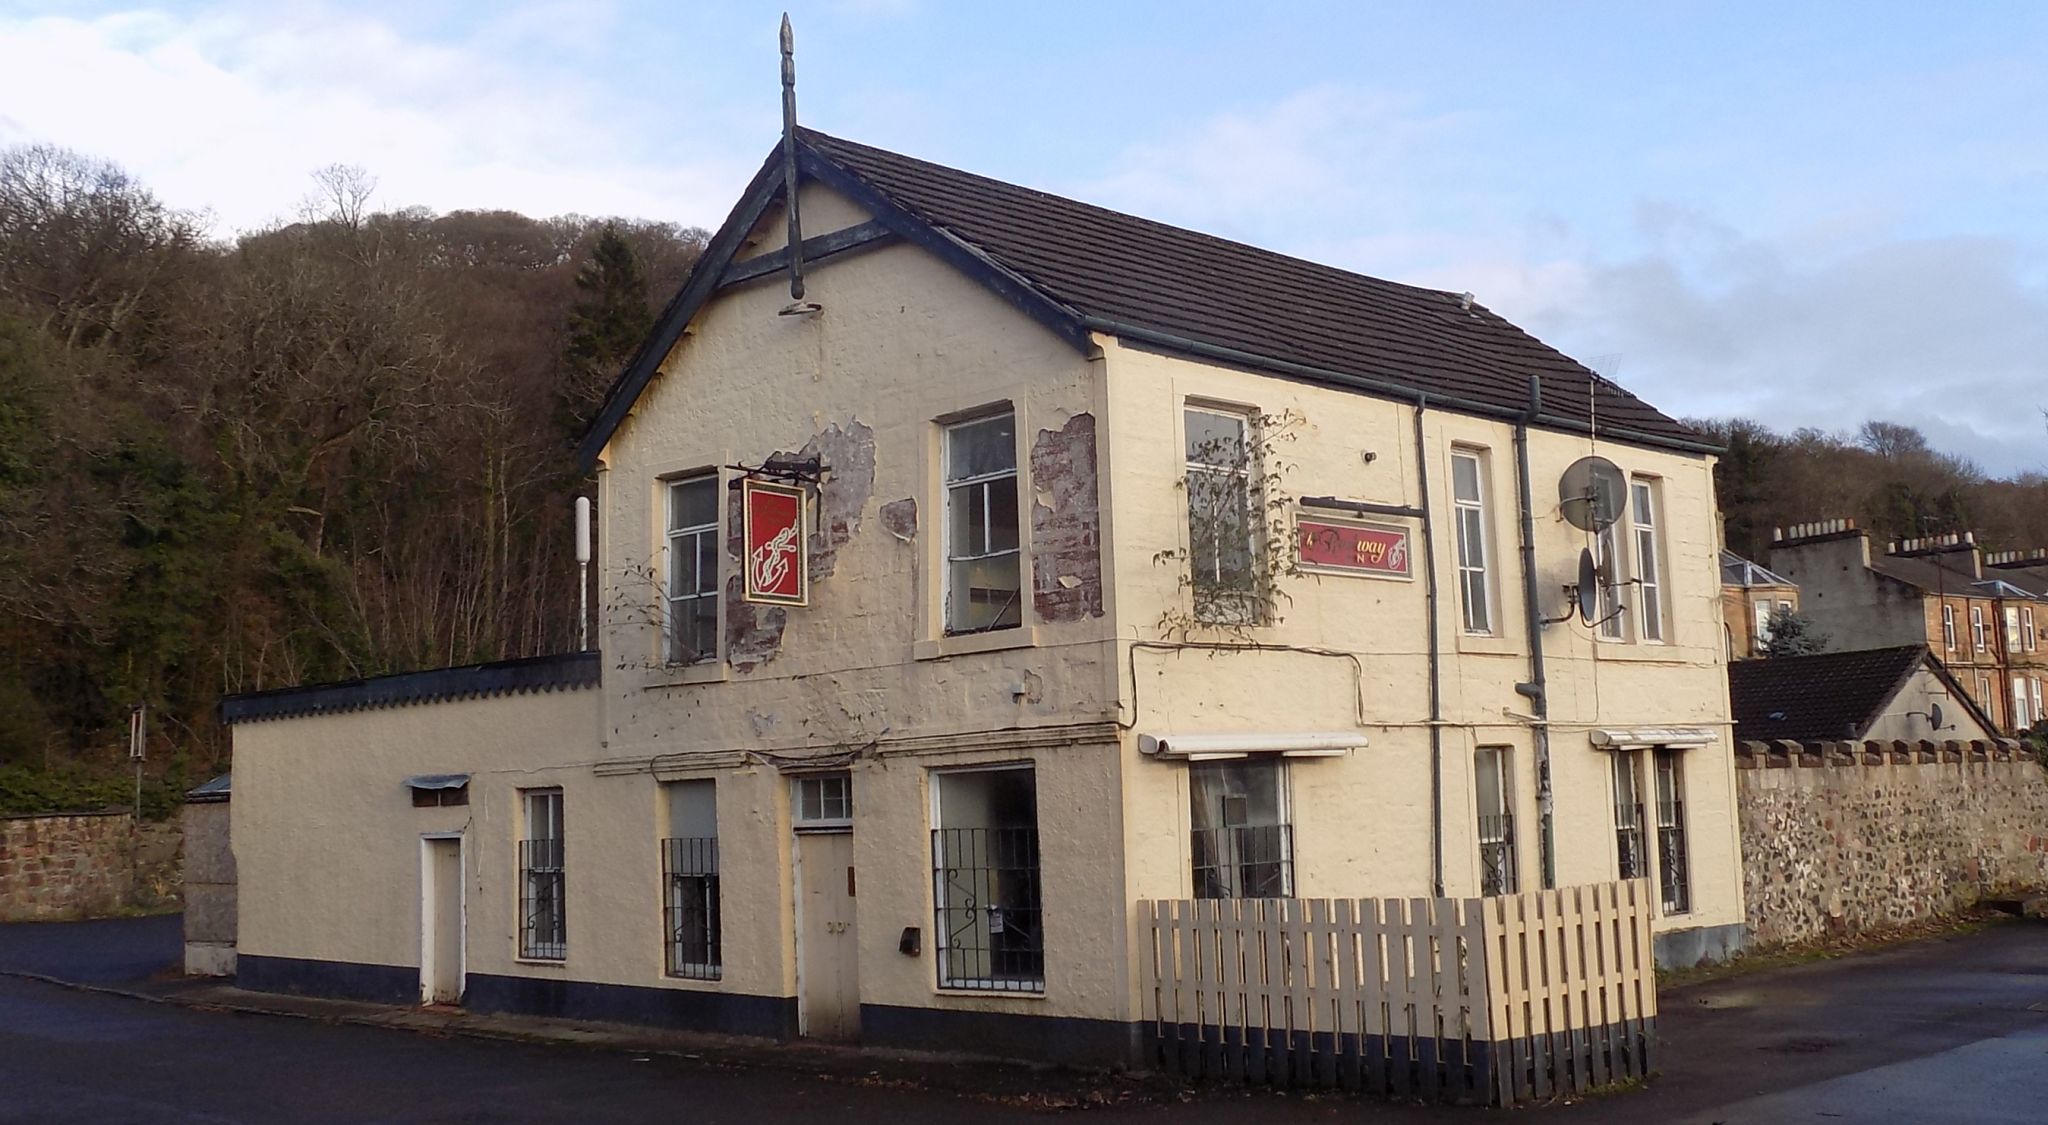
(429, 892)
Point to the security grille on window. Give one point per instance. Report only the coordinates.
(543, 921)
(693, 569)
(1628, 819)
(1222, 525)
(822, 801)
(985, 880)
(689, 875)
(1649, 562)
(1674, 867)
(1468, 492)
(1497, 868)
(1242, 845)
(984, 575)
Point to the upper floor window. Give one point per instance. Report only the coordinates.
(1222, 528)
(2012, 628)
(1977, 627)
(693, 569)
(2027, 634)
(1649, 563)
(1607, 557)
(822, 801)
(1468, 493)
(984, 561)
(1948, 627)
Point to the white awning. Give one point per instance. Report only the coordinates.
(1209, 747)
(1640, 738)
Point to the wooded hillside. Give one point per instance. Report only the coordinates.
(332, 448)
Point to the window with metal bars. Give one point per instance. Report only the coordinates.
(543, 919)
(1628, 819)
(1674, 869)
(1497, 871)
(984, 560)
(985, 880)
(689, 879)
(1239, 837)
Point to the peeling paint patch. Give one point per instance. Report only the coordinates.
(1066, 523)
(753, 633)
(899, 518)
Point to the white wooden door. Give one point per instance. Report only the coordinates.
(441, 939)
(826, 941)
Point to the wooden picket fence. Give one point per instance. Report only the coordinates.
(1494, 1000)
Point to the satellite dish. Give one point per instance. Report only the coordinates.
(1934, 716)
(1588, 589)
(1591, 493)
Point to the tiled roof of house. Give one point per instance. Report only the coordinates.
(1109, 266)
(1826, 696)
(1083, 269)
(560, 672)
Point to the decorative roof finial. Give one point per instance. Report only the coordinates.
(796, 227)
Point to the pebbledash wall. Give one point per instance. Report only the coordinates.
(1846, 837)
(68, 866)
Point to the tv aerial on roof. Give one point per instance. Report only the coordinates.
(1591, 493)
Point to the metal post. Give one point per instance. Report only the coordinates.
(138, 733)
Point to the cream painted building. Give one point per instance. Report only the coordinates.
(1139, 565)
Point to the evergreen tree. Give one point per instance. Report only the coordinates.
(1794, 634)
(609, 319)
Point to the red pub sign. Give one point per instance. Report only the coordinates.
(772, 525)
(1353, 548)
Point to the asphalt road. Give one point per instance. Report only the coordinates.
(1949, 1031)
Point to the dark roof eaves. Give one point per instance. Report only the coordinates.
(1386, 388)
(556, 672)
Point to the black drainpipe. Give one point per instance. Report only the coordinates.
(1436, 696)
(1535, 689)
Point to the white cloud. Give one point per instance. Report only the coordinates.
(231, 109)
(1840, 314)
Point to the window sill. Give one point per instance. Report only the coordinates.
(543, 962)
(1488, 643)
(682, 675)
(1639, 652)
(704, 984)
(1025, 636)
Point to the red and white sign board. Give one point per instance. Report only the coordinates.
(1347, 547)
(772, 530)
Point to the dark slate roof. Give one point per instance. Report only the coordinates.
(1116, 267)
(1827, 696)
(219, 789)
(504, 677)
(1083, 268)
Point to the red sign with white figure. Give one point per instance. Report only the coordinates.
(1354, 548)
(772, 524)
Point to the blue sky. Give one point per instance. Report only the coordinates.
(1809, 213)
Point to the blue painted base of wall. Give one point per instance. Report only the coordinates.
(727, 1013)
(1057, 1039)
(1703, 945)
(338, 980)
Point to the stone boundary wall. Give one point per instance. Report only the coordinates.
(74, 865)
(1844, 837)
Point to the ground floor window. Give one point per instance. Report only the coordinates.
(1674, 871)
(985, 879)
(1242, 844)
(689, 875)
(543, 921)
(1497, 874)
(1628, 818)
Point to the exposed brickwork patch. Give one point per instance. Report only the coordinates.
(1066, 523)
